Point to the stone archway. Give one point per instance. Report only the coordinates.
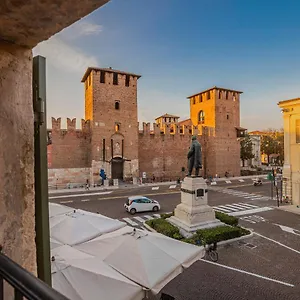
(117, 168)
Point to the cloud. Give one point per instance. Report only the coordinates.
(62, 54)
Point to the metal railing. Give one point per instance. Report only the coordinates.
(25, 285)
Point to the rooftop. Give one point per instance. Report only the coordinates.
(215, 88)
(110, 70)
(166, 115)
(290, 101)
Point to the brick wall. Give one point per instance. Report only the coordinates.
(70, 148)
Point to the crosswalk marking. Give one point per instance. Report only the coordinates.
(173, 186)
(242, 206)
(139, 219)
(241, 180)
(250, 211)
(249, 205)
(130, 222)
(155, 188)
(148, 217)
(222, 207)
(156, 215)
(228, 181)
(230, 207)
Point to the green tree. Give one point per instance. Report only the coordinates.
(246, 149)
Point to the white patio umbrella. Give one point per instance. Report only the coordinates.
(56, 209)
(92, 279)
(79, 226)
(149, 259)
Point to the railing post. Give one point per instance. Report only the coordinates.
(41, 170)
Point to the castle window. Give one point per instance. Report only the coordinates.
(208, 95)
(234, 96)
(102, 77)
(115, 79)
(220, 94)
(298, 131)
(117, 127)
(201, 117)
(227, 117)
(127, 80)
(181, 130)
(190, 131)
(194, 100)
(117, 104)
(226, 94)
(200, 98)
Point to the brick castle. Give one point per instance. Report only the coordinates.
(110, 138)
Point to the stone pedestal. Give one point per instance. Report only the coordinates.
(193, 212)
(106, 183)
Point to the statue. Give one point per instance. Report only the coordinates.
(194, 157)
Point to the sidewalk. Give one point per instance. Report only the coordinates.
(108, 188)
(290, 208)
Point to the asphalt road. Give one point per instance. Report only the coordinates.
(264, 266)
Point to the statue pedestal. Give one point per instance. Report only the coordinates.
(193, 212)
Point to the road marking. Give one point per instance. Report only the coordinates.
(247, 219)
(236, 207)
(213, 183)
(85, 200)
(80, 195)
(172, 186)
(228, 181)
(155, 188)
(242, 206)
(220, 209)
(223, 207)
(241, 180)
(156, 215)
(288, 229)
(250, 211)
(130, 222)
(249, 273)
(148, 217)
(280, 244)
(249, 205)
(139, 219)
(68, 201)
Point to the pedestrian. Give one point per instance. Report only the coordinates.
(87, 185)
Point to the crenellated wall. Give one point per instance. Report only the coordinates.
(163, 153)
(71, 147)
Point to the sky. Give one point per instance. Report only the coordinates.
(181, 48)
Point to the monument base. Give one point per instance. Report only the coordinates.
(193, 213)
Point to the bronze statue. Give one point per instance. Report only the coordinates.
(194, 157)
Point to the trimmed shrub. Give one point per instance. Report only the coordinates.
(164, 227)
(166, 216)
(230, 220)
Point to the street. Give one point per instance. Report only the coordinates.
(265, 266)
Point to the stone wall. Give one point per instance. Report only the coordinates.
(62, 178)
(17, 208)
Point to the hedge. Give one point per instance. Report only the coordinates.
(202, 236)
(230, 220)
(164, 227)
(166, 216)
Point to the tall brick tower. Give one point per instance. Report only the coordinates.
(219, 108)
(111, 105)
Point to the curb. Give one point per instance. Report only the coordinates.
(219, 243)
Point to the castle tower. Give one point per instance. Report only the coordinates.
(219, 108)
(111, 105)
(167, 119)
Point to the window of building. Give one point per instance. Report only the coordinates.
(115, 79)
(117, 127)
(220, 94)
(102, 77)
(298, 131)
(227, 117)
(127, 80)
(226, 94)
(208, 95)
(117, 104)
(103, 149)
(201, 117)
(190, 131)
(233, 96)
(200, 98)
(165, 120)
(194, 100)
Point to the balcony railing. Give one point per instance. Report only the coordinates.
(25, 285)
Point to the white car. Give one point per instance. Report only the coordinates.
(140, 203)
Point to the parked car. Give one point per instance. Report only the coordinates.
(140, 203)
(257, 182)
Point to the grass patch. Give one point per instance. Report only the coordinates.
(202, 236)
(230, 220)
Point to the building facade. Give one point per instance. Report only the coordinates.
(110, 138)
(291, 168)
